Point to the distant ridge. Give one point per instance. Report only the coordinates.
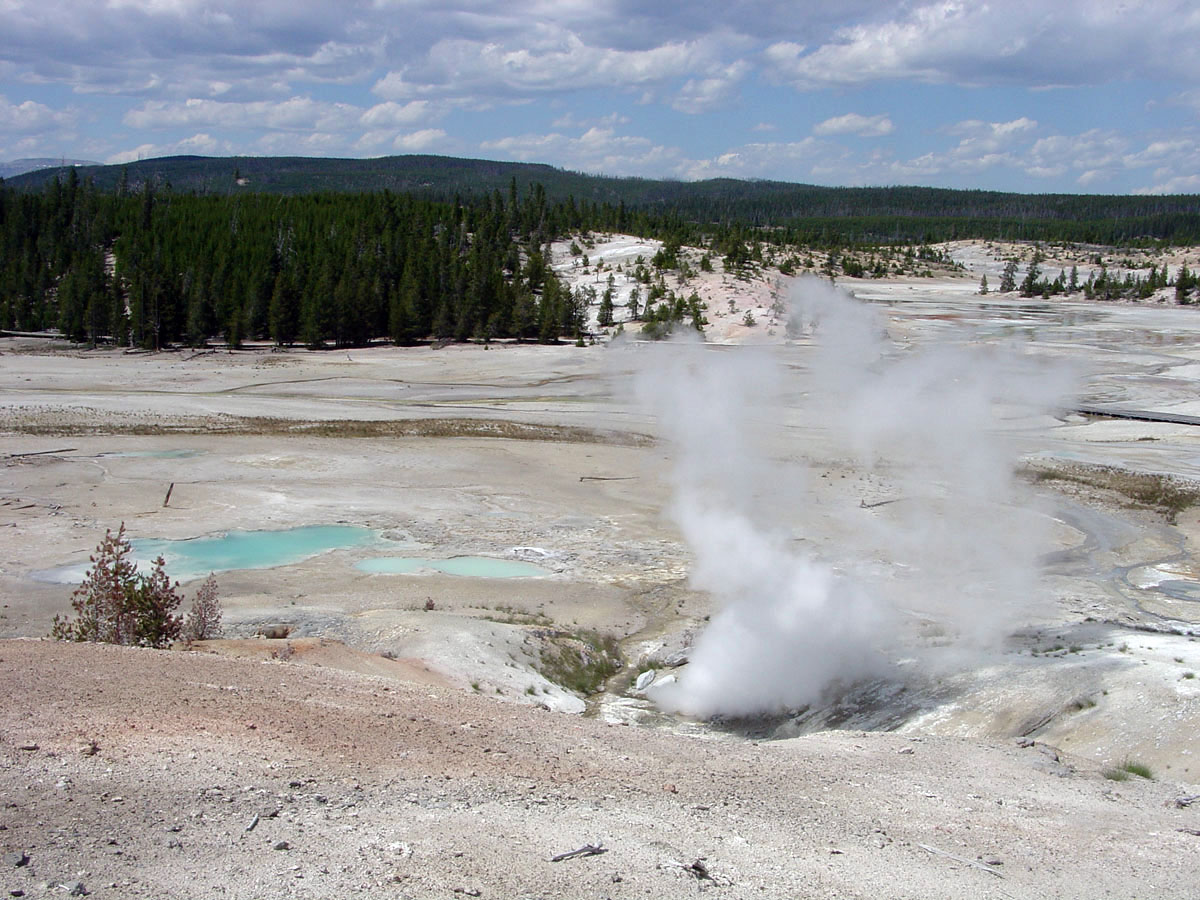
(880, 211)
(442, 175)
(21, 166)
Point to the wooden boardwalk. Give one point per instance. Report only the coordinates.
(1141, 415)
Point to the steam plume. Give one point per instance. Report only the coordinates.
(806, 595)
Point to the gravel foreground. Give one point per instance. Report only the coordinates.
(167, 774)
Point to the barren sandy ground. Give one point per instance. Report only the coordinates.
(451, 766)
(159, 774)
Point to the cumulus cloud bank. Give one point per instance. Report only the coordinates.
(367, 76)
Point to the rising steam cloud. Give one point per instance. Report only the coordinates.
(811, 595)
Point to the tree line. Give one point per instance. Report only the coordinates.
(151, 267)
(814, 214)
(144, 265)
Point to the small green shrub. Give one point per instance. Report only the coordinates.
(580, 662)
(1123, 770)
(1165, 494)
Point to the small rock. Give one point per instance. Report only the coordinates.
(77, 890)
(29, 745)
(282, 845)
(993, 861)
(905, 750)
(16, 860)
(253, 824)
(645, 680)
(16, 892)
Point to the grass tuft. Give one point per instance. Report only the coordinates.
(1124, 770)
(580, 661)
(337, 428)
(1165, 494)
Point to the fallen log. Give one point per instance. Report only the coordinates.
(41, 453)
(961, 859)
(585, 850)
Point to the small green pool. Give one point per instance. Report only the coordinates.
(472, 566)
(196, 557)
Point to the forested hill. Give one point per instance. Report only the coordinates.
(882, 213)
(149, 262)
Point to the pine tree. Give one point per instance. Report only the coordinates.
(204, 620)
(401, 314)
(117, 605)
(1183, 283)
(604, 317)
(100, 601)
(1029, 286)
(1008, 281)
(282, 314)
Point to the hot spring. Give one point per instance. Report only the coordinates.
(196, 557)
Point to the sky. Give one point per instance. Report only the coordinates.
(1077, 96)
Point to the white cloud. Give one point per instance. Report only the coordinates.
(855, 124)
(700, 95)
(792, 159)
(1180, 184)
(1092, 176)
(416, 141)
(30, 128)
(29, 117)
(295, 144)
(294, 114)
(382, 115)
(572, 121)
(200, 144)
(994, 132)
(1094, 150)
(974, 42)
(547, 59)
(598, 150)
(1160, 152)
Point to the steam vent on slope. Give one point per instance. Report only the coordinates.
(867, 604)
